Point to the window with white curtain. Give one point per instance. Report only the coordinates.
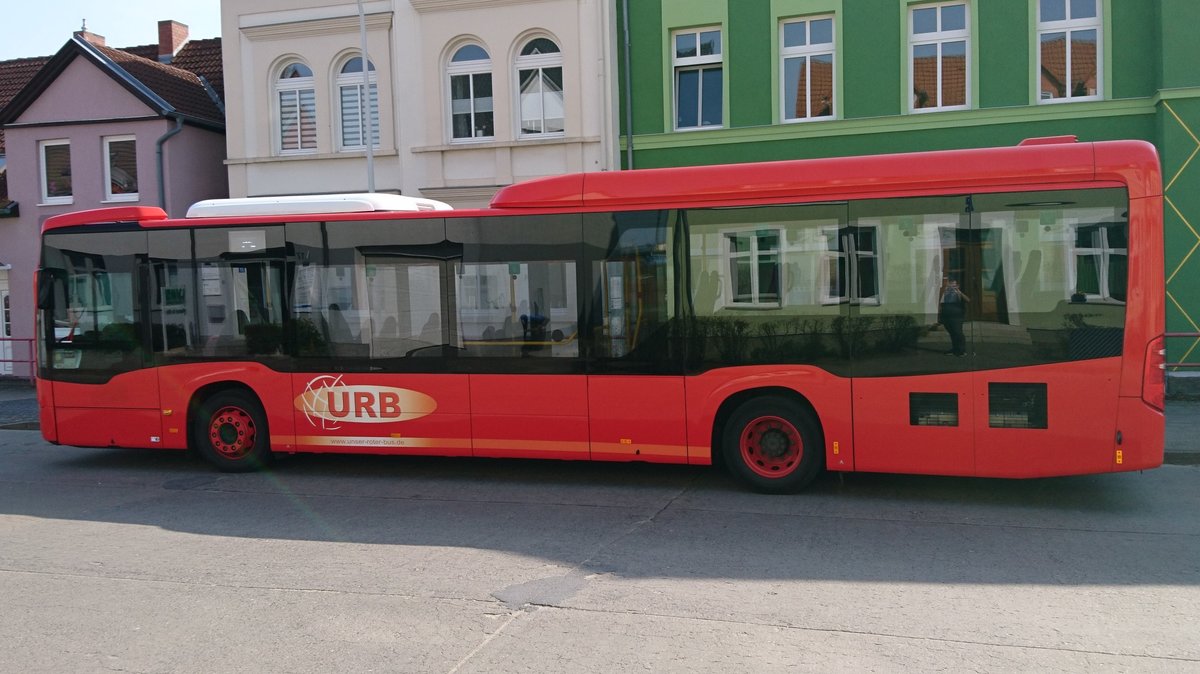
(540, 83)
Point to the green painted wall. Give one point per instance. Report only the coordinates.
(1004, 54)
(872, 73)
(750, 56)
(1133, 26)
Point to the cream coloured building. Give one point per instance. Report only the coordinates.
(465, 96)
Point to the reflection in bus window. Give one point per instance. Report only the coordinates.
(518, 309)
(96, 305)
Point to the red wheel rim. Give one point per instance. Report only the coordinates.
(771, 447)
(232, 432)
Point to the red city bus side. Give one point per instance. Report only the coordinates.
(1081, 409)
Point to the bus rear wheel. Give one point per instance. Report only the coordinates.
(230, 431)
(773, 444)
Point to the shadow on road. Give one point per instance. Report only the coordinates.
(651, 521)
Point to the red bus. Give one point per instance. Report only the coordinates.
(990, 312)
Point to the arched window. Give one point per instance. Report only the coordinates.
(470, 72)
(540, 80)
(297, 109)
(352, 121)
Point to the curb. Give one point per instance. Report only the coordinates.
(21, 426)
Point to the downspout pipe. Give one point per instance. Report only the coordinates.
(158, 159)
(628, 91)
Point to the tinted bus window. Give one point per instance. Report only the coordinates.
(772, 285)
(633, 271)
(1051, 268)
(371, 294)
(237, 291)
(96, 327)
(517, 292)
(904, 256)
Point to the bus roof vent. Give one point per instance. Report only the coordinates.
(312, 204)
(1048, 140)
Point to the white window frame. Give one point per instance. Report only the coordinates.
(299, 85)
(847, 253)
(108, 193)
(469, 69)
(808, 51)
(1068, 26)
(1103, 254)
(939, 38)
(698, 63)
(48, 200)
(539, 62)
(355, 80)
(728, 256)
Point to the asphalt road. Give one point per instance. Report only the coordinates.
(150, 562)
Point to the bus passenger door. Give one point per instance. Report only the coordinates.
(516, 304)
(635, 389)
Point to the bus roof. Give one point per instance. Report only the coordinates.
(1040, 162)
(312, 203)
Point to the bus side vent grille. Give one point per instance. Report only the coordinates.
(1017, 405)
(933, 409)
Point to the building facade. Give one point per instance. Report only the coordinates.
(101, 127)
(719, 81)
(459, 98)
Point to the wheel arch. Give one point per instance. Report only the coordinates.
(735, 400)
(209, 390)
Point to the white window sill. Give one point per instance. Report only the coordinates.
(688, 129)
(65, 201)
(122, 199)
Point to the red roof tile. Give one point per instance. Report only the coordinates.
(14, 75)
(203, 57)
(180, 88)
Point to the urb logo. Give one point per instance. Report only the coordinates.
(328, 403)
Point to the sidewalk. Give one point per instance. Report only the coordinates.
(18, 410)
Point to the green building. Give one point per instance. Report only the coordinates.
(727, 81)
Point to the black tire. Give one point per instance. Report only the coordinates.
(230, 432)
(773, 444)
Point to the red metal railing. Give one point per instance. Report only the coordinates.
(27, 360)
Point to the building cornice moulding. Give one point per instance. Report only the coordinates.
(356, 155)
(497, 144)
(303, 28)
(426, 6)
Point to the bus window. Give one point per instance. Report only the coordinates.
(516, 289)
(96, 307)
(905, 257)
(238, 279)
(769, 285)
(1053, 270)
(633, 273)
(370, 294)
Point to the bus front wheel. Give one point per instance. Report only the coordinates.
(230, 431)
(773, 444)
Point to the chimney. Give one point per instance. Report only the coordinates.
(171, 36)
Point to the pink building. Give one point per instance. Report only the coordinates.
(99, 127)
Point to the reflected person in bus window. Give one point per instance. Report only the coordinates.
(952, 310)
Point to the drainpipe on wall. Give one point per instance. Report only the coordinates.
(628, 92)
(158, 149)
